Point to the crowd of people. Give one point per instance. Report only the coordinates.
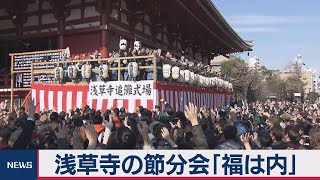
(268, 125)
(144, 74)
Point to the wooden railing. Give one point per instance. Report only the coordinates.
(155, 61)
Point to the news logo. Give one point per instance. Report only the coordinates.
(18, 164)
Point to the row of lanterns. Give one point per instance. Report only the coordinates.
(86, 69)
(187, 76)
(182, 76)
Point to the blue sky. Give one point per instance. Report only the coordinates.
(280, 28)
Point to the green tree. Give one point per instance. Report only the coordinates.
(313, 96)
(242, 77)
(284, 86)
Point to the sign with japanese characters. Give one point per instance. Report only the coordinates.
(121, 90)
(21, 64)
(23, 61)
(140, 163)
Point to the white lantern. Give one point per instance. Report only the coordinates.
(86, 71)
(72, 72)
(207, 82)
(220, 83)
(166, 71)
(123, 44)
(58, 74)
(215, 81)
(204, 81)
(186, 75)
(103, 71)
(226, 84)
(133, 69)
(181, 77)
(175, 72)
(137, 45)
(191, 81)
(196, 78)
(201, 79)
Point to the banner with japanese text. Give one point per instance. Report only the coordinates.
(187, 163)
(121, 90)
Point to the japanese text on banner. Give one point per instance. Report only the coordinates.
(121, 90)
(165, 163)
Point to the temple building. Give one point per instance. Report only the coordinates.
(195, 28)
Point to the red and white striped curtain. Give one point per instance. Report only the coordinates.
(65, 97)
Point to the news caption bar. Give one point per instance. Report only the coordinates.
(177, 163)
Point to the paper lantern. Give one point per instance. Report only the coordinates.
(181, 76)
(175, 72)
(58, 74)
(86, 71)
(72, 72)
(191, 81)
(123, 44)
(133, 69)
(186, 75)
(166, 71)
(103, 71)
(196, 78)
(137, 45)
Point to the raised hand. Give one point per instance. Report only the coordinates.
(32, 108)
(62, 132)
(91, 133)
(245, 138)
(15, 108)
(2, 105)
(125, 122)
(165, 134)
(254, 137)
(191, 114)
(144, 130)
(77, 140)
